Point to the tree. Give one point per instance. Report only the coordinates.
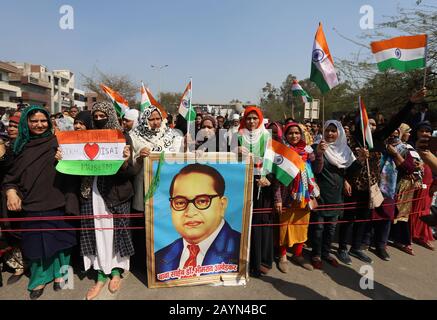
(388, 91)
(235, 101)
(272, 104)
(170, 101)
(120, 83)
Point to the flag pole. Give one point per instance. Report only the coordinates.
(426, 56)
(188, 125)
(189, 109)
(364, 141)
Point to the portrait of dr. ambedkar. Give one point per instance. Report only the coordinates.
(198, 205)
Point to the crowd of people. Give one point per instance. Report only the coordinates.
(339, 168)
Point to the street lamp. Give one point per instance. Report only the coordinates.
(159, 68)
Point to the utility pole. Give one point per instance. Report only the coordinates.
(159, 68)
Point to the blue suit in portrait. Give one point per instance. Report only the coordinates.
(225, 248)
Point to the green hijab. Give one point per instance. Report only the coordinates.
(24, 135)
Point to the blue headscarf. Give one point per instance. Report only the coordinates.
(24, 135)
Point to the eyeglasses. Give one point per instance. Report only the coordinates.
(201, 202)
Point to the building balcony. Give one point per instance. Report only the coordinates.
(4, 86)
(8, 67)
(18, 77)
(7, 104)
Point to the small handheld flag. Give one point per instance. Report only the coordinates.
(120, 103)
(401, 53)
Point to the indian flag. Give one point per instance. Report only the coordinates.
(322, 66)
(401, 53)
(145, 101)
(185, 107)
(299, 91)
(156, 103)
(91, 152)
(367, 133)
(283, 162)
(120, 103)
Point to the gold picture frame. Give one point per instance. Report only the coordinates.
(220, 161)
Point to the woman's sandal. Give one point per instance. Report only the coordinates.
(114, 284)
(425, 244)
(95, 290)
(405, 248)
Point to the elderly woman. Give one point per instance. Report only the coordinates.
(295, 198)
(337, 161)
(107, 251)
(35, 188)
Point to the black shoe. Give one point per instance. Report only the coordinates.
(14, 278)
(359, 254)
(57, 286)
(255, 274)
(382, 253)
(343, 256)
(35, 294)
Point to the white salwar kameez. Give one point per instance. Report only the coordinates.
(105, 260)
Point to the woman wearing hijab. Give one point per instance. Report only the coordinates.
(337, 161)
(357, 187)
(398, 178)
(253, 138)
(13, 258)
(130, 119)
(276, 128)
(83, 121)
(420, 232)
(33, 171)
(295, 198)
(151, 135)
(107, 251)
(210, 138)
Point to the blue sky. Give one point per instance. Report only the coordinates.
(229, 47)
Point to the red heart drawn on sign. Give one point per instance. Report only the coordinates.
(91, 150)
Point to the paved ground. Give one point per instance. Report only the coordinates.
(404, 277)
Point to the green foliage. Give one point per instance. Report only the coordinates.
(170, 101)
(382, 92)
(387, 92)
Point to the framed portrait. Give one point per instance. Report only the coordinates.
(198, 219)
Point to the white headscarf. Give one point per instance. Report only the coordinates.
(133, 115)
(338, 153)
(161, 139)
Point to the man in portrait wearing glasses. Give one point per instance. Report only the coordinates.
(198, 206)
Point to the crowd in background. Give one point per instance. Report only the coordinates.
(339, 168)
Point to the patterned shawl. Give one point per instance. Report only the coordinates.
(304, 185)
(161, 139)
